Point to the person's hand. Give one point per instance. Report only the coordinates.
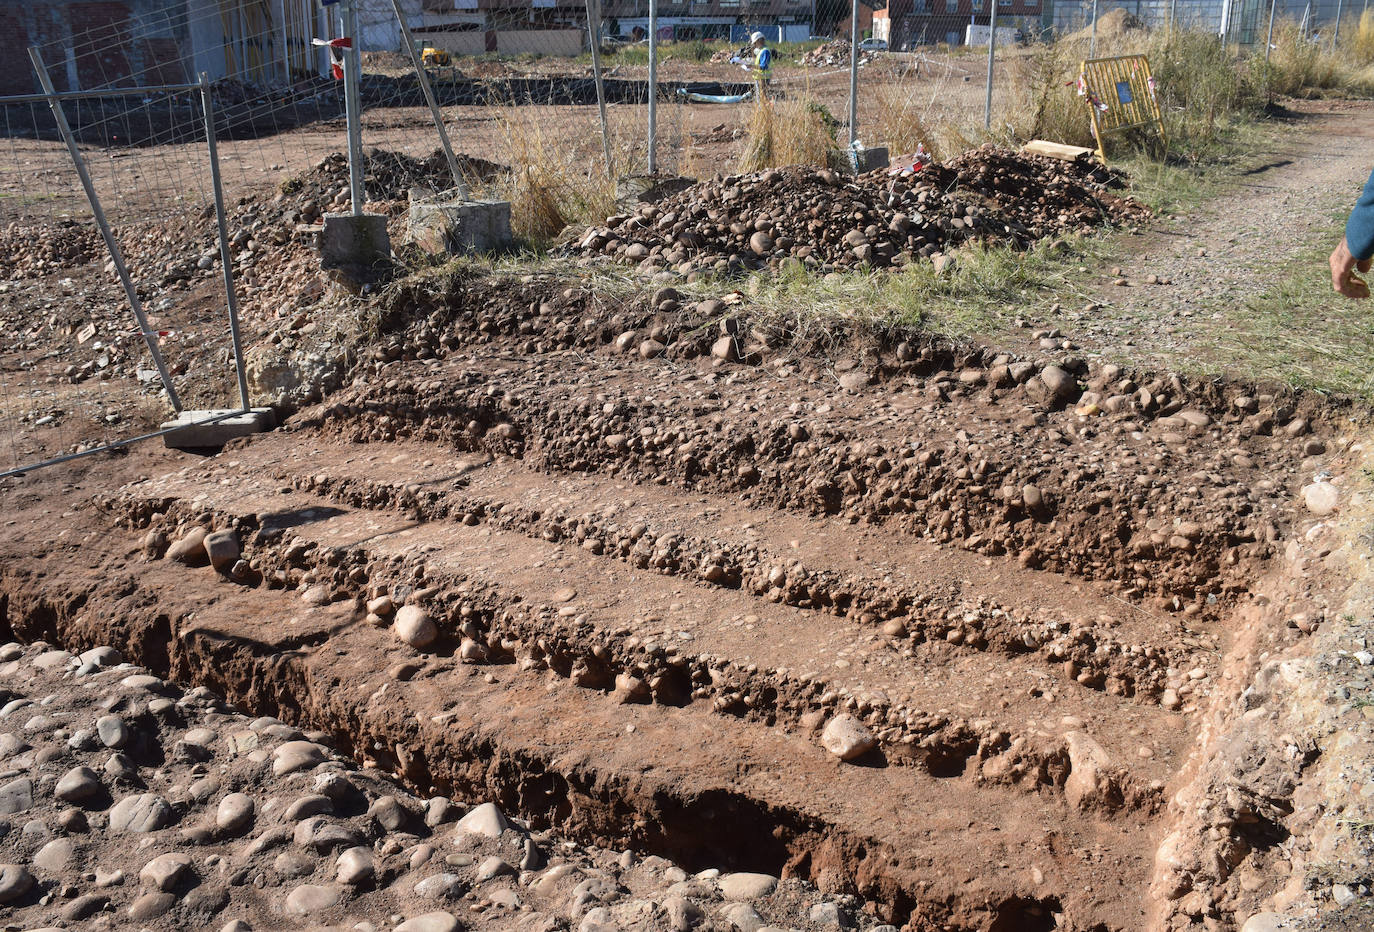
(1343, 277)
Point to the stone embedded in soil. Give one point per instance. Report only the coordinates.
(1266, 922)
(306, 806)
(485, 819)
(100, 657)
(829, 914)
(146, 812)
(15, 881)
(724, 348)
(389, 813)
(308, 899)
(492, 868)
(355, 866)
(113, 731)
(77, 785)
(1088, 783)
(743, 917)
(441, 887)
(746, 886)
(1060, 385)
(165, 871)
(296, 755)
(83, 907)
(322, 835)
(222, 549)
(120, 769)
(1321, 497)
(16, 796)
(55, 856)
(151, 905)
(414, 626)
(190, 549)
(847, 738)
(430, 922)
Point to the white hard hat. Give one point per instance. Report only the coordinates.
(755, 37)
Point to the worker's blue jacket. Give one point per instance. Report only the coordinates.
(1359, 230)
(763, 59)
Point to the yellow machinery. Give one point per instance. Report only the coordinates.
(435, 58)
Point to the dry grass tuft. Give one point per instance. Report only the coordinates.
(791, 132)
(551, 185)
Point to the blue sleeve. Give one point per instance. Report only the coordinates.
(1359, 230)
(765, 59)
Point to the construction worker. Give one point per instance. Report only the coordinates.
(763, 62)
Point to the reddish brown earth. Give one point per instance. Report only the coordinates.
(664, 546)
(656, 579)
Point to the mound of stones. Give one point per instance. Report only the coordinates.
(829, 221)
(28, 251)
(128, 802)
(833, 53)
(387, 175)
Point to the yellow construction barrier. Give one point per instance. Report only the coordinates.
(1120, 93)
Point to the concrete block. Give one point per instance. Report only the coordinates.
(357, 242)
(446, 223)
(869, 159)
(189, 432)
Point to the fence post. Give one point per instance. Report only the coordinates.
(353, 63)
(1269, 44)
(992, 47)
(594, 32)
(853, 77)
(1336, 33)
(149, 338)
(285, 44)
(429, 99)
(1173, 12)
(653, 87)
(226, 258)
(1092, 37)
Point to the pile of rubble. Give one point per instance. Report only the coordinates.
(387, 175)
(28, 251)
(1035, 195)
(833, 54)
(826, 220)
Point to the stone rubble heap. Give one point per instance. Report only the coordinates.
(828, 221)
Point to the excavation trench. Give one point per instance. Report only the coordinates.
(654, 580)
(698, 827)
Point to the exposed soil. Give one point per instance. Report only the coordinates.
(949, 637)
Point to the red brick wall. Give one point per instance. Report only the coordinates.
(16, 74)
(103, 29)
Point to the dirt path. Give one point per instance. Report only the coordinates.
(1235, 246)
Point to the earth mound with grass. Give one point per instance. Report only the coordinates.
(826, 220)
(1115, 25)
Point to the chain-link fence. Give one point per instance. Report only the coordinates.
(561, 108)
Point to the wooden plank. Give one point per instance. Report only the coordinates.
(1056, 150)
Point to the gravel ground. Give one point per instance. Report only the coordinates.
(127, 802)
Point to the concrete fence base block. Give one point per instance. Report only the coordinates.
(870, 159)
(449, 223)
(349, 241)
(189, 434)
